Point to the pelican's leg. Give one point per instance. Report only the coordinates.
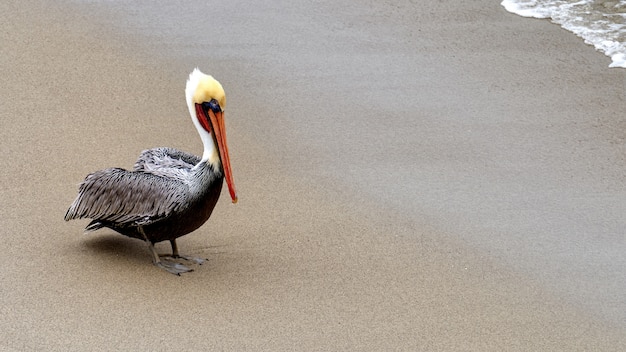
(175, 254)
(170, 267)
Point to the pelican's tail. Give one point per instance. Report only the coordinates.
(93, 226)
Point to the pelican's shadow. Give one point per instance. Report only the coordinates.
(113, 246)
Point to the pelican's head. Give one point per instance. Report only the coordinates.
(206, 101)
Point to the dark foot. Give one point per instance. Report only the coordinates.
(172, 267)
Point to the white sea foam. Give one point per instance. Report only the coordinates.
(600, 23)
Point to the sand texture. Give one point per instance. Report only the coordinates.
(441, 176)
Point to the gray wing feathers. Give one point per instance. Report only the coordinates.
(166, 162)
(123, 196)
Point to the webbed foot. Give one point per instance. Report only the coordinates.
(194, 260)
(173, 267)
(175, 255)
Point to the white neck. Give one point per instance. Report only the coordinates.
(210, 150)
(210, 153)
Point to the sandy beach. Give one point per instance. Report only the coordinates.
(433, 177)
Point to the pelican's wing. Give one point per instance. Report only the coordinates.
(166, 162)
(125, 197)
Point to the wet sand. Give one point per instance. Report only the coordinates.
(311, 258)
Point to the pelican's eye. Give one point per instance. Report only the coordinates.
(213, 105)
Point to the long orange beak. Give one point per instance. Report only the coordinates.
(219, 131)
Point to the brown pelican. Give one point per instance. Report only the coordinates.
(169, 193)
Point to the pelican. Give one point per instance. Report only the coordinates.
(169, 193)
